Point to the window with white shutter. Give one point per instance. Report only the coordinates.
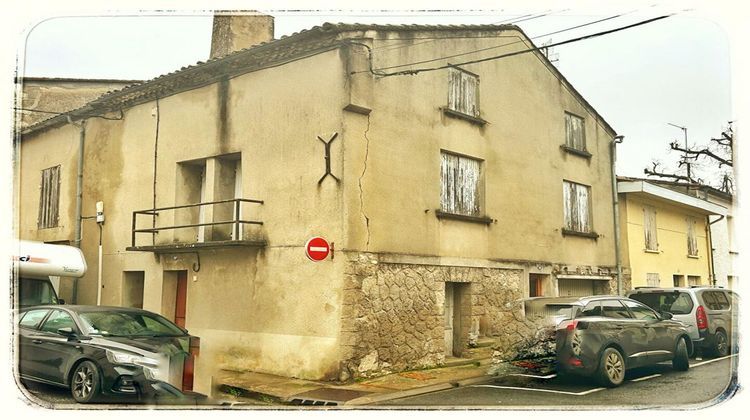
(49, 198)
(577, 207)
(463, 92)
(692, 240)
(649, 229)
(460, 178)
(575, 137)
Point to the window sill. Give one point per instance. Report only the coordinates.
(696, 257)
(576, 152)
(652, 251)
(590, 235)
(473, 219)
(460, 115)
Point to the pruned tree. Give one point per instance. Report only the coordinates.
(717, 154)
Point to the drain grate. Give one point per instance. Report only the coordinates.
(326, 396)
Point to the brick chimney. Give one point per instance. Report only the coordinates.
(233, 32)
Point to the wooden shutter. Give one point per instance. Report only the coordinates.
(49, 198)
(692, 240)
(649, 228)
(463, 93)
(576, 203)
(574, 132)
(460, 178)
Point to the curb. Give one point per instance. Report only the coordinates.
(387, 396)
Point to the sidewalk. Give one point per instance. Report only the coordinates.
(285, 390)
(383, 388)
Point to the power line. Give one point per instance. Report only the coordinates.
(505, 45)
(569, 41)
(511, 21)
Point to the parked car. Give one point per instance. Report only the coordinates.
(603, 336)
(100, 351)
(710, 313)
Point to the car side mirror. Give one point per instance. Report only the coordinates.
(61, 301)
(666, 315)
(66, 331)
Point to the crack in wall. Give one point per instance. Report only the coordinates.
(361, 201)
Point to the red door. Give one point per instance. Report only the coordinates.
(181, 302)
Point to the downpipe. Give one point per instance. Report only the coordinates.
(79, 196)
(616, 206)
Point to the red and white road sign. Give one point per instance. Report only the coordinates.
(317, 249)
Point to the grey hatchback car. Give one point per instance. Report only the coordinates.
(710, 313)
(603, 336)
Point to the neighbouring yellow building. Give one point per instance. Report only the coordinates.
(665, 237)
(448, 192)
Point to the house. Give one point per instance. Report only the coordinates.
(724, 247)
(447, 195)
(44, 97)
(666, 235)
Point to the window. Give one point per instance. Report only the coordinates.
(649, 228)
(576, 207)
(57, 320)
(694, 280)
(652, 279)
(460, 178)
(463, 92)
(614, 309)
(692, 241)
(33, 317)
(574, 132)
(642, 312)
(49, 198)
(592, 309)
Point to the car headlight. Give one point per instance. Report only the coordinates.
(122, 358)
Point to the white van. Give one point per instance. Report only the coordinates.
(39, 268)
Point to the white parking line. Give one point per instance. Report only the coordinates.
(518, 388)
(713, 360)
(534, 376)
(656, 375)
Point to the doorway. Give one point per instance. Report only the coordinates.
(453, 314)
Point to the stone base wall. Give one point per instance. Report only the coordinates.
(393, 314)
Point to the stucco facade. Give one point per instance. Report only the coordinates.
(252, 126)
(671, 262)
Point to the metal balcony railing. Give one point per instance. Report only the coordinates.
(235, 220)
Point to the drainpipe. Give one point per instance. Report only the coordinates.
(711, 264)
(79, 196)
(616, 206)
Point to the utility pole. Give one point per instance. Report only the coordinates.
(684, 157)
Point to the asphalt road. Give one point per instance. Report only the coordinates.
(654, 387)
(658, 386)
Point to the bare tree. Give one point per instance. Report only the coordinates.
(719, 151)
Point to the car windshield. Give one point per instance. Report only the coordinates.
(36, 292)
(678, 303)
(128, 324)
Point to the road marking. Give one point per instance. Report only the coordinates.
(713, 360)
(656, 375)
(533, 376)
(518, 388)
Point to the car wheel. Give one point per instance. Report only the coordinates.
(681, 359)
(611, 368)
(721, 344)
(85, 383)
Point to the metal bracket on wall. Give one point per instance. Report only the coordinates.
(197, 265)
(328, 158)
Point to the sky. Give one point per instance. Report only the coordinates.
(675, 70)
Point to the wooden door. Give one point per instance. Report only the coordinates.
(181, 299)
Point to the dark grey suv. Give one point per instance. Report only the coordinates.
(603, 336)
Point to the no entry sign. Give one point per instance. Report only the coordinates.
(317, 249)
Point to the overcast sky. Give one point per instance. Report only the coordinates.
(675, 70)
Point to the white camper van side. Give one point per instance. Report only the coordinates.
(38, 264)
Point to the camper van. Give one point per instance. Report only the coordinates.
(40, 266)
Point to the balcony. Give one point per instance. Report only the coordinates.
(186, 229)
